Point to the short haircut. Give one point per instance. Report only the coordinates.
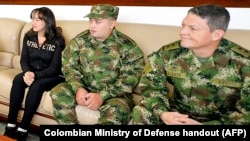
(217, 16)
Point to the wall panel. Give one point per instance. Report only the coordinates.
(189, 3)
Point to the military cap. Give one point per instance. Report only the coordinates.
(103, 11)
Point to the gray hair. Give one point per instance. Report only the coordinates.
(217, 16)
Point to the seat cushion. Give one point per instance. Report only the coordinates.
(86, 116)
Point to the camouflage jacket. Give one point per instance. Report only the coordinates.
(214, 92)
(112, 67)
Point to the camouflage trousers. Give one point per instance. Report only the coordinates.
(142, 116)
(115, 111)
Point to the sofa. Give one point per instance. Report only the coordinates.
(149, 38)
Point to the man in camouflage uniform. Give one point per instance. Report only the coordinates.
(210, 75)
(101, 66)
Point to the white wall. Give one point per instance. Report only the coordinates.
(240, 17)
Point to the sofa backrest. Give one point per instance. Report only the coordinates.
(239, 36)
(149, 37)
(10, 30)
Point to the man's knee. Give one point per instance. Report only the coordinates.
(60, 88)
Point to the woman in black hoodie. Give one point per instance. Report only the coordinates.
(41, 70)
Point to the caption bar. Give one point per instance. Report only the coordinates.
(131, 131)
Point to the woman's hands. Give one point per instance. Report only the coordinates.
(29, 78)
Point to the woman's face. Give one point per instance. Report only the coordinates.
(38, 25)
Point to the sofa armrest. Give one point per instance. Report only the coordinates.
(16, 62)
(5, 59)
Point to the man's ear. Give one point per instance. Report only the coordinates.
(113, 23)
(218, 34)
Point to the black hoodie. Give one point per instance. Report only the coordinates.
(44, 61)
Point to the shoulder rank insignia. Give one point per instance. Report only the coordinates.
(171, 46)
(147, 69)
(241, 50)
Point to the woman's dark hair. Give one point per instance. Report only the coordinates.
(45, 14)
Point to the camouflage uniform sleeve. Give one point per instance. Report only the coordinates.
(153, 85)
(245, 93)
(130, 72)
(70, 65)
(242, 113)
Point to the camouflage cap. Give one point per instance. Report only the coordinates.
(103, 11)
